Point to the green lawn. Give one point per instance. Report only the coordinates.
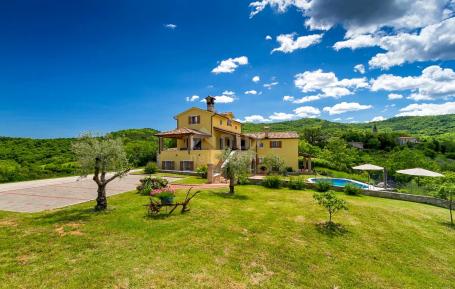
(260, 238)
(191, 180)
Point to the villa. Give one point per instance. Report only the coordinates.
(202, 135)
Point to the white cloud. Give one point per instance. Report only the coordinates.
(281, 116)
(288, 98)
(434, 42)
(359, 41)
(343, 107)
(434, 82)
(170, 26)
(358, 17)
(427, 109)
(393, 96)
(226, 97)
(270, 85)
(255, 118)
(192, 98)
(308, 98)
(327, 83)
(230, 65)
(256, 78)
(307, 111)
(268, 37)
(378, 118)
(360, 68)
(288, 44)
(253, 92)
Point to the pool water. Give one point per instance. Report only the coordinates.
(340, 182)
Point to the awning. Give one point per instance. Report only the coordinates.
(420, 172)
(181, 132)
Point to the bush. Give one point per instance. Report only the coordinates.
(297, 183)
(151, 183)
(243, 180)
(289, 169)
(202, 171)
(323, 186)
(150, 168)
(272, 181)
(353, 190)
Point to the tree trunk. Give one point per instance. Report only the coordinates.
(101, 200)
(231, 185)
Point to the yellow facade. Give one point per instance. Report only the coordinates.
(202, 135)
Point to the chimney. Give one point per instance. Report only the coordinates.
(210, 103)
(266, 131)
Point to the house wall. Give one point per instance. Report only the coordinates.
(289, 151)
(198, 157)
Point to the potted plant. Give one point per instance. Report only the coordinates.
(165, 195)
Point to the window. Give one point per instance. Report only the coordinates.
(168, 165)
(221, 143)
(261, 145)
(194, 119)
(228, 142)
(186, 166)
(275, 144)
(229, 122)
(197, 144)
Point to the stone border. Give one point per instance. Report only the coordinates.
(382, 194)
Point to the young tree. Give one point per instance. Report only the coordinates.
(330, 201)
(104, 157)
(447, 192)
(235, 164)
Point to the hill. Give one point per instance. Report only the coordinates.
(412, 125)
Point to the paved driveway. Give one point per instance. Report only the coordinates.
(37, 196)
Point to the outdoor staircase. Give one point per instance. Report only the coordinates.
(218, 177)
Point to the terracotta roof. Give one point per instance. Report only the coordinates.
(273, 135)
(181, 132)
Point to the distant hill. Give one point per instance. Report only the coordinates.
(412, 125)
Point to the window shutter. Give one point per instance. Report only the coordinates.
(189, 120)
(181, 165)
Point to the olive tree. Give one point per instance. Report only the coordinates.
(235, 164)
(331, 203)
(105, 158)
(274, 163)
(447, 192)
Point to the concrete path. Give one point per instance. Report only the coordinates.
(40, 195)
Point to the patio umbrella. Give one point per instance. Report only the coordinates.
(368, 168)
(419, 172)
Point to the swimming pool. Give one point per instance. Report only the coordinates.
(339, 182)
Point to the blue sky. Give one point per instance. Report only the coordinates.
(73, 66)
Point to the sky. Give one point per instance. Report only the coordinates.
(68, 67)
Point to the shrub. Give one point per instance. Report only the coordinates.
(323, 186)
(274, 164)
(243, 180)
(272, 181)
(202, 171)
(151, 183)
(353, 190)
(297, 183)
(150, 168)
(289, 169)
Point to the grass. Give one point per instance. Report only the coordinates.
(258, 238)
(191, 180)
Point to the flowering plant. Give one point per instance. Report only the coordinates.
(166, 194)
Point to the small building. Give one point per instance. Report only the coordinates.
(356, 144)
(202, 135)
(404, 140)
